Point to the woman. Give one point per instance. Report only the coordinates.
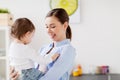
(57, 25)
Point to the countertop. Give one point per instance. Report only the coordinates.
(97, 77)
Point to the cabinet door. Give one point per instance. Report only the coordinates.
(4, 40)
(3, 68)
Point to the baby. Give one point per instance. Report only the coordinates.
(21, 56)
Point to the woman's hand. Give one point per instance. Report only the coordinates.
(13, 74)
(55, 56)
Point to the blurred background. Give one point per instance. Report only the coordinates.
(96, 35)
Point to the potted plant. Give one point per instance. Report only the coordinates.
(6, 18)
(4, 11)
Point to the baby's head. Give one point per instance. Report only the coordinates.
(23, 30)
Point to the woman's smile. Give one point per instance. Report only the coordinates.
(52, 35)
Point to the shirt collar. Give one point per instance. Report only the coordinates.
(57, 44)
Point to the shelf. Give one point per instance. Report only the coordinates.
(2, 57)
(3, 27)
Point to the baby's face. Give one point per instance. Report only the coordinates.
(28, 37)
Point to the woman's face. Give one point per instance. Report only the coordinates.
(55, 29)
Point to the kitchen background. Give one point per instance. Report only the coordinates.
(96, 37)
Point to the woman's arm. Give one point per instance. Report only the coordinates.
(13, 74)
(62, 65)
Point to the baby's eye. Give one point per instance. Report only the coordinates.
(46, 26)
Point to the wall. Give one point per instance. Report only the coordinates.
(96, 38)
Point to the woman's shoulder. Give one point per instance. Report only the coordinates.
(69, 46)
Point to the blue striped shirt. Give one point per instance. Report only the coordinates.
(61, 68)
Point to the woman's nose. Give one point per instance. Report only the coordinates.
(49, 30)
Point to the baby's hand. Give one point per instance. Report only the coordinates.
(55, 56)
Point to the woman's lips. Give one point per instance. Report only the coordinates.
(52, 35)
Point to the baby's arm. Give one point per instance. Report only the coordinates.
(55, 56)
(33, 55)
(43, 68)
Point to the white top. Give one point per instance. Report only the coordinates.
(23, 57)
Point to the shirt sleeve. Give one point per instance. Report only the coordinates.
(33, 55)
(62, 65)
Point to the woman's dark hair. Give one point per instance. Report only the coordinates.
(63, 17)
(20, 27)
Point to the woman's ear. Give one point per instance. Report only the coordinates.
(65, 25)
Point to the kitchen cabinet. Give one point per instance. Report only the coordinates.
(4, 45)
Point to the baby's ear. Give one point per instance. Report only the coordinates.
(27, 33)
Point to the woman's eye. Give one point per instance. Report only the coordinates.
(53, 27)
(50, 26)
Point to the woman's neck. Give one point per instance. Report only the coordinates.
(55, 42)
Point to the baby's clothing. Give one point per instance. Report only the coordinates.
(31, 74)
(22, 57)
